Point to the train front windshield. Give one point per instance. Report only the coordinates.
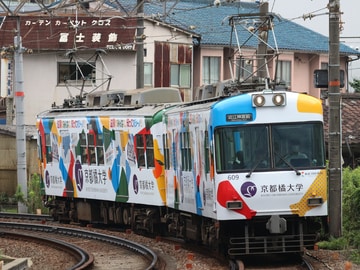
(269, 147)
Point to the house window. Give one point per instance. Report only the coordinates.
(148, 70)
(211, 69)
(180, 75)
(284, 72)
(76, 73)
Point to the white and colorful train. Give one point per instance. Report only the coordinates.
(245, 174)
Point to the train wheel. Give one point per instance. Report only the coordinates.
(118, 216)
(126, 216)
(105, 215)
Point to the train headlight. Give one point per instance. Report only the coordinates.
(316, 201)
(234, 205)
(269, 99)
(259, 100)
(278, 99)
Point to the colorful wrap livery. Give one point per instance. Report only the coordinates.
(97, 156)
(227, 171)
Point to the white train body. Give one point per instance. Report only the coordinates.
(222, 166)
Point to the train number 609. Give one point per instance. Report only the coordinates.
(233, 177)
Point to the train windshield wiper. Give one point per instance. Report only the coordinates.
(288, 163)
(254, 168)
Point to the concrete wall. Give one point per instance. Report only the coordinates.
(8, 164)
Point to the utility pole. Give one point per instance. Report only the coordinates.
(20, 126)
(335, 149)
(140, 45)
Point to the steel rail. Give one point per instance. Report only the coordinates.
(85, 260)
(124, 243)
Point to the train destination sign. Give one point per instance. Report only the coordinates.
(239, 117)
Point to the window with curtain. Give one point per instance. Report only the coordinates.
(284, 72)
(148, 69)
(180, 75)
(211, 69)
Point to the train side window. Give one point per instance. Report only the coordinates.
(99, 149)
(145, 150)
(140, 151)
(48, 148)
(91, 148)
(150, 151)
(83, 148)
(185, 146)
(166, 151)
(207, 151)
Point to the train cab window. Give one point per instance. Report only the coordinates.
(48, 148)
(298, 145)
(267, 147)
(242, 148)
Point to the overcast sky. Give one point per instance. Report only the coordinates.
(295, 9)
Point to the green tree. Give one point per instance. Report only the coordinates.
(34, 199)
(356, 85)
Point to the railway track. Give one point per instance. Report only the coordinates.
(39, 233)
(84, 259)
(308, 261)
(275, 262)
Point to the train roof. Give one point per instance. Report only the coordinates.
(145, 110)
(135, 102)
(134, 97)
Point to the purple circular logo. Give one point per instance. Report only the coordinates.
(135, 184)
(248, 189)
(47, 179)
(79, 175)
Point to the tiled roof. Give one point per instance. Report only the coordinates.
(212, 24)
(350, 118)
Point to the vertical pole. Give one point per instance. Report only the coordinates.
(335, 149)
(20, 126)
(262, 46)
(140, 45)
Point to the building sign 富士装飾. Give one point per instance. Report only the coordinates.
(63, 32)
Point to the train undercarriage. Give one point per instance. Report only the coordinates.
(233, 239)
